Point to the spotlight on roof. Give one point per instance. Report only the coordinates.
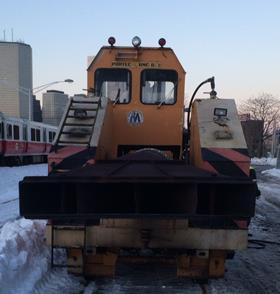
(112, 41)
(136, 41)
(161, 42)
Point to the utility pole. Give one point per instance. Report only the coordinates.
(273, 143)
(278, 157)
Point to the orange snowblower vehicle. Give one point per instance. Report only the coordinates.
(125, 174)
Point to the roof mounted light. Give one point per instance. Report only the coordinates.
(136, 41)
(112, 41)
(161, 42)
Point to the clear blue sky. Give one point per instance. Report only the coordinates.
(236, 41)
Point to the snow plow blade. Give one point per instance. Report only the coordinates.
(132, 189)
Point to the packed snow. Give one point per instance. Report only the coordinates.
(9, 179)
(264, 161)
(274, 173)
(25, 257)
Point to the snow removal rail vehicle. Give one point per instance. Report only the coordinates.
(127, 176)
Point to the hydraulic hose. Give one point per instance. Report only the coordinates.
(210, 80)
(212, 95)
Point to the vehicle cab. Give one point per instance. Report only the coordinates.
(145, 89)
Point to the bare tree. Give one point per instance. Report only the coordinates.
(263, 107)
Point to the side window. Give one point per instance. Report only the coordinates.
(24, 132)
(16, 132)
(51, 136)
(159, 86)
(9, 131)
(44, 135)
(33, 135)
(1, 130)
(38, 135)
(114, 83)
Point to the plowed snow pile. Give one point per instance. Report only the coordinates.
(263, 161)
(23, 255)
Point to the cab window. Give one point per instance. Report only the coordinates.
(158, 86)
(113, 83)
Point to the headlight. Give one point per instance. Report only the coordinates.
(220, 112)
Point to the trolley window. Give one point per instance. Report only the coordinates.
(1, 130)
(33, 134)
(51, 136)
(16, 132)
(44, 135)
(158, 86)
(113, 83)
(24, 132)
(9, 131)
(38, 135)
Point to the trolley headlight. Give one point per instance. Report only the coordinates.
(136, 41)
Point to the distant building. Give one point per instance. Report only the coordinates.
(54, 103)
(37, 111)
(15, 73)
(82, 95)
(275, 142)
(253, 132)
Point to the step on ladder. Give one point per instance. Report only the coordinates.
(77, 125)
(82, 247)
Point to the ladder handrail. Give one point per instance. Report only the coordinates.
(66, 116)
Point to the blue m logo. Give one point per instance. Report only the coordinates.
(135, 118)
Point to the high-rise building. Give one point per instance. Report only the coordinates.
(54, 103)
(15, 78)
(37, 111)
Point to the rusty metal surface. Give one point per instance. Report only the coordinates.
(136, 185)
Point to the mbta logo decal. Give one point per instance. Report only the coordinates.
(135, 118)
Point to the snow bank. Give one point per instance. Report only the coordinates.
(23, 255)
(274, 173)
(270, 194)
(10, 176)
(263, 161)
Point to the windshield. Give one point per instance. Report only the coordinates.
(159, 86)
(113, 84)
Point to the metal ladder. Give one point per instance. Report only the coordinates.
(78, 122)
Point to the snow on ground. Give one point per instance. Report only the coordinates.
(274, 173)
(264, 161)
(271, 192)
(25, 258)
(9, 178)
